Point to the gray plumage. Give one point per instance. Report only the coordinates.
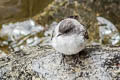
(69, 37)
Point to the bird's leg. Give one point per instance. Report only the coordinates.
(63, 59)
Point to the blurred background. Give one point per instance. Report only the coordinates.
(15, 10)
(28, 22)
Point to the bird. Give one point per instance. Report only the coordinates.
(69, 37)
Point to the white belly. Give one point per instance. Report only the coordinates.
(69, 45)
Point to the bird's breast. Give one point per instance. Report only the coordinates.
(68, 45)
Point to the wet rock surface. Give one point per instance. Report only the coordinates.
(44, 63)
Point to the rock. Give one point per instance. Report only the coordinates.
(44, 63)
(19, 29)
(108, 32)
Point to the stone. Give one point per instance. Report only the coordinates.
(43, 62)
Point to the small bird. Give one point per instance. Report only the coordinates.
(69, 37)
